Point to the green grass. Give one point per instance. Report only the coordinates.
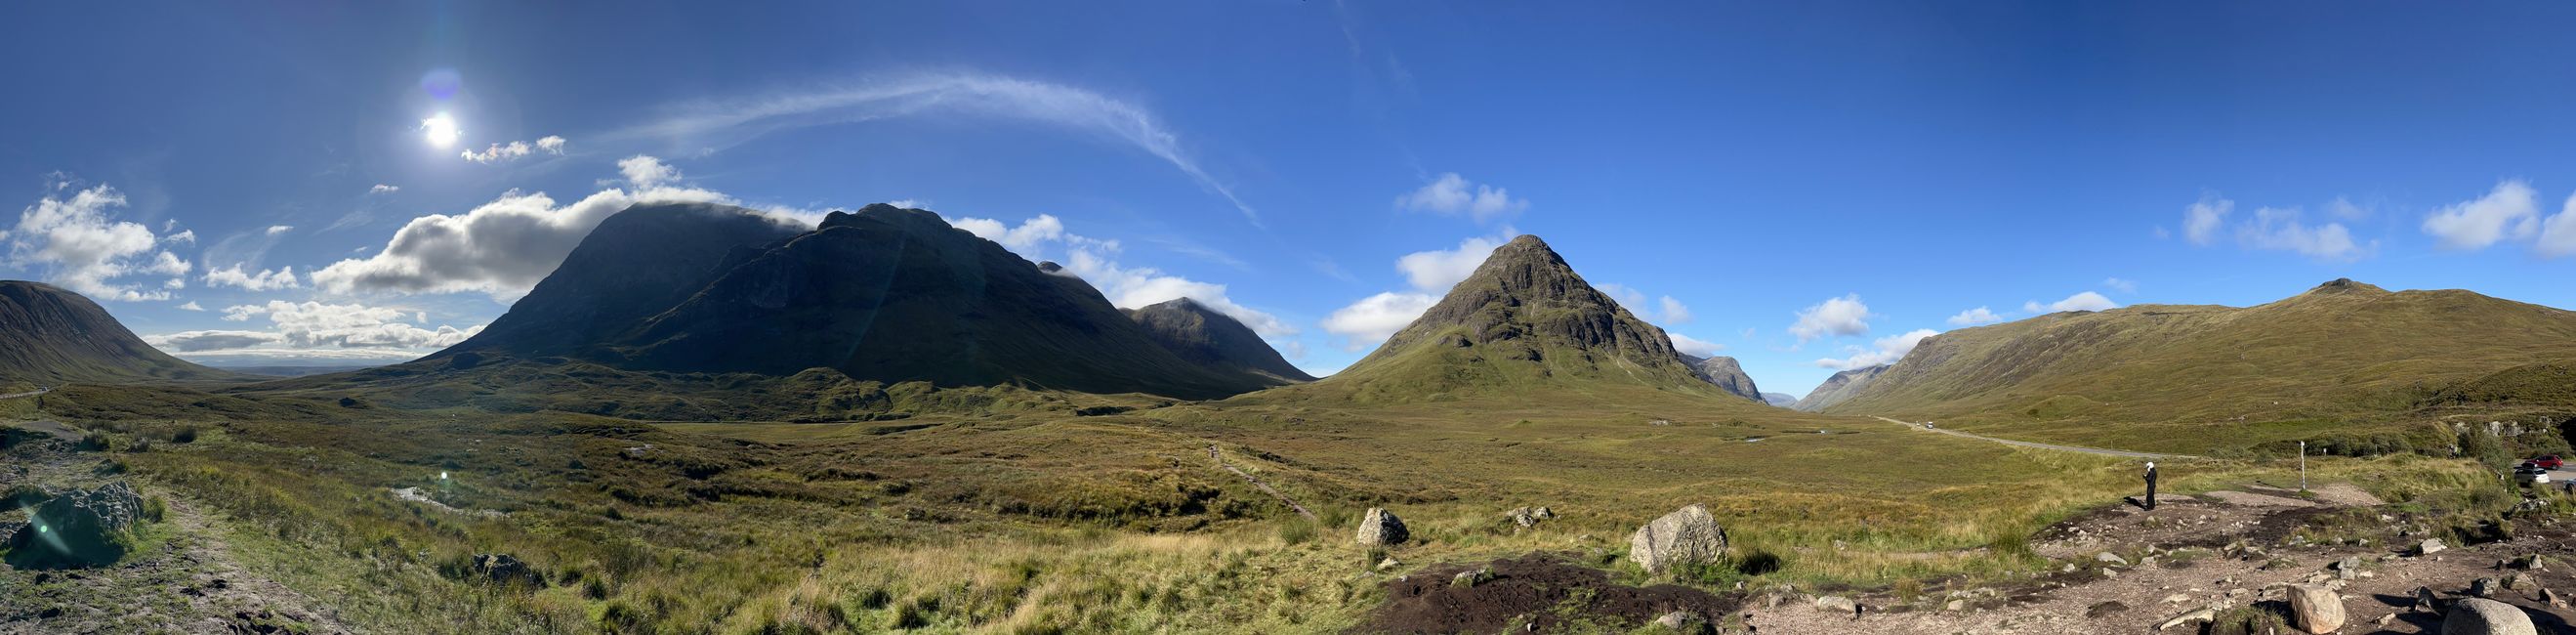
(1039, 522)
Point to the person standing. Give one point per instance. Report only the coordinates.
(2151, 486)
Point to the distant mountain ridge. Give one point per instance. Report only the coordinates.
(50, 336)
(1839, 388)
(1210, 338)
(1723, 372)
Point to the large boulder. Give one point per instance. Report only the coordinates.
(2315, 609)
(1380, 528)
(1689, 535)
(502, 568)
(2481, 616)
(78, 528)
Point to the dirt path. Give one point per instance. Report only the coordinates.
(30, 393)
(184, 579)
(1256, 482)
(2043, 446)
(2221, 551)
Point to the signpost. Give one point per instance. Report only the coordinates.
(2303, 466)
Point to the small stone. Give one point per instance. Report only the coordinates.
(2177, 598)
(2189, 617)
(2105, 608)
(1386, 564)
(2315, 609)
(1380, 528)
(1681, 621)
(2110, 558)
(1837, 604)
(2552, 598)
(2426, 601)
(2430, 546)
(1471, 578)
(2482, 588)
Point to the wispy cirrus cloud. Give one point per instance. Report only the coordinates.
(718, 123)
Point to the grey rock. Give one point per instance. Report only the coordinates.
(1380, 528)
(1682, 622)
(2315, 609)
(2189, 617)
(2480, 616)
(2105, 608)
(78, 527)
(1686, 536)
(2110, 558)
(1837, 604)
(2426, 601)
(1471, 578)
(502, 568)
(2483, 588)
(2430, 546)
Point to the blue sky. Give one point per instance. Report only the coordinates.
(1810, 184)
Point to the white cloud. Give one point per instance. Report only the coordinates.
(280, 229)
(85, 251)
(2280, 229)
(2121, 285)
(189, 236)
(264, 280)
(505, 246)
(2558, 236)
(1694, 346)
(2344, 208)
(1976, 316)
(1438, 270)
(646, 172)
(1126, 287)
(320, 325)
(501, 152)
(194, 341)
(1674, 312)
(1834, 317)
(2086, 301)
(1373, 319)
(2200, 222)
(191, 306)
(1454, 195)
(2510, 211)
(715, 123)
(381, 188)
(1887, 350)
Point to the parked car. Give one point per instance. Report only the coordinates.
(2531, 472)
(2550, 462)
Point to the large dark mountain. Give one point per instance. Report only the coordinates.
(1839, 387)
(635, 265)
(1725, 373)
(882, 294)
(51, 336)
(2342, 350)
(1208, 338)
(1524, 320)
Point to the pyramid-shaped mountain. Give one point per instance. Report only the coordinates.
(1524, 319)
(882, 294)
(51, 336)
(1210, 338)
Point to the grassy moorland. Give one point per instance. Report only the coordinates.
(2367, 367)
(1046, 521)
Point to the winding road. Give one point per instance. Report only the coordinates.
(2043, 446)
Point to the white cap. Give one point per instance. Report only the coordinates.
(2151, 465)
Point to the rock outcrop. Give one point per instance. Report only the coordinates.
(1204, 336)
(1379, 528)
(1725, 374)
(79, 528)
(1686, 536)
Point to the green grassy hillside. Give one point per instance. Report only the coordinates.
(2200, 377)
(50, 336)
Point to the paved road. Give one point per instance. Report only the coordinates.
(2043, 446)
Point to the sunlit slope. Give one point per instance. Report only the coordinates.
(2342, 351)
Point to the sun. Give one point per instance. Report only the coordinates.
(440, 130)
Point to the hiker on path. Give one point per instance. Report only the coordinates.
(2151, 486)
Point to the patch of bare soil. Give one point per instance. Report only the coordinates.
(1539, 592)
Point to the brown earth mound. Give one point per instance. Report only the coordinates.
(1540, 589)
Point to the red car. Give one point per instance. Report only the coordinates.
(2550, 462)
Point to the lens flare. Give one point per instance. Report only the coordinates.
(440, 130)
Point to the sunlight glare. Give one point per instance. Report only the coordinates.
(440, 129)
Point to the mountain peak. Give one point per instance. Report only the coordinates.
(1524, 317)
(1207, 337)
(2346, 285)
(49, 335)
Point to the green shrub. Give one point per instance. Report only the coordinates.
(184, 435)
(93, 442)
(155, 508)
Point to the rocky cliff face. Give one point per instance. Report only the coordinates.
(1723, 372)
(1841, 386)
